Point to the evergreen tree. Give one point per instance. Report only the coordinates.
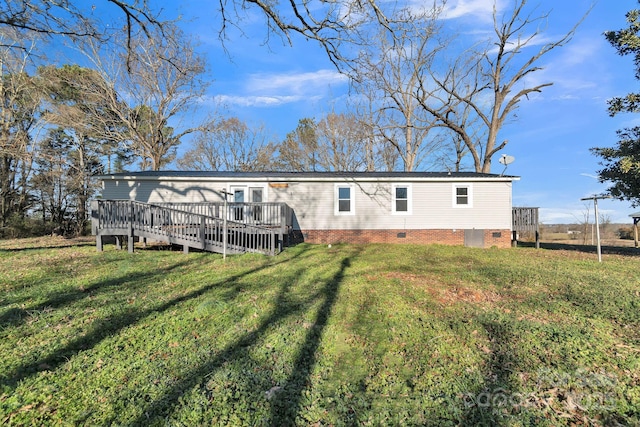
(621, 163)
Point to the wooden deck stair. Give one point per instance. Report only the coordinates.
(200, 226)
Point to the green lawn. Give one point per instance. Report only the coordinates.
(348, 335)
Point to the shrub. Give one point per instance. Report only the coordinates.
(625, 233)
(20, 227)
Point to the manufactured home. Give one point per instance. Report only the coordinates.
(269, 209)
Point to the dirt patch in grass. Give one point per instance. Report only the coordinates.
(444, 293)
(468, 295)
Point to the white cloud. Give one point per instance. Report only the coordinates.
(590, 175)
(560, 216)
(261, 101)
(274, 89)
(530, 198)
(577, 215)
(294, 82)
(576, 70)
(478, 9)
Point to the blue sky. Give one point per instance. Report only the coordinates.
(276, 85)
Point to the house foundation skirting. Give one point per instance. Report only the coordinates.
(483, 238)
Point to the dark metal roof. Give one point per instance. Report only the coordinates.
(304, 175)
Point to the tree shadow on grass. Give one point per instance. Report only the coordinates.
(285, 404)
(111, 325)
(16, 316)
(591, 249)
(487, 405)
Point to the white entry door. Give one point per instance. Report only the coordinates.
(247, 194)
(255, 194)
(238, 196)
(242, 194)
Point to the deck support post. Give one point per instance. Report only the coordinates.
(99, 243)
(203, 237)
(225, 229)
(272, 243)
(283, 225)
(130, 236)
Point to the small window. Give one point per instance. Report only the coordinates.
(256, 195)
(401, 199)
(344, 200)
(238, 210)
(462, 196)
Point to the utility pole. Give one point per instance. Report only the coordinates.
(595, 212)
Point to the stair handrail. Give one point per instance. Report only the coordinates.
(198, 230)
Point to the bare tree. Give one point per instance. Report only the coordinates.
(389, 73)
(335, 25)
(604, 220)
(454, 151)
(299, 150)
(379, 155)
(75, 19)
(585, 224)
(152, 87)
(331, 24)
(342, 142)
(230, 145)
(491, 82)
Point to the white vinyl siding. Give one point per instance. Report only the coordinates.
(462, 196)
(314, 202)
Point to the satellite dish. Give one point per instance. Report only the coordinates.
(506, 161)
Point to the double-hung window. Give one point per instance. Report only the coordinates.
(401, 203)
(462, 196)
(344, 200)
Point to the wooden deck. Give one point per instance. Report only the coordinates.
(525, 220)
(215, 227)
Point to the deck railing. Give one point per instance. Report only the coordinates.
(266, 214)
(260, 228)
(525, 219)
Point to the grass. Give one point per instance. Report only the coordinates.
(348, 335)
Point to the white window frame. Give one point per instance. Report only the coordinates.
(352, 200)
(469, 203)
(246, 188)
(240, 213)
(409, 199)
